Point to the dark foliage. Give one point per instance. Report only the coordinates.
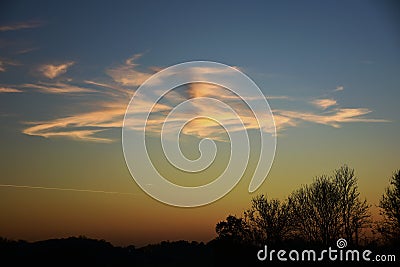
(390, 210)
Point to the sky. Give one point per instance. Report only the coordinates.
(329, 69)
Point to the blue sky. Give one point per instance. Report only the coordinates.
(285, 46)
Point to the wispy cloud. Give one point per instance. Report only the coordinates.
(324, 103)
(4, 63)
(284, 122)
(58, 88)
(281, 97)
(335, 118)
(87, 135)
(21, 25)
(339, 88)
(9, 90)
(131, 61)
(221, 118)
(52, 71)
(215, 91)
(115, 89)
(26, 50)
(82, 126)
(128, 74)
(109, 114)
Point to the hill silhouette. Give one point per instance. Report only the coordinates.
(92, 252)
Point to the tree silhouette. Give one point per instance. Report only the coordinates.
(330, 208)
(316, 211)
(233, 229)
(390, 210)
(354, 212)
(270, 220)
(320, 213)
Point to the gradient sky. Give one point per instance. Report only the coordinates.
(329, 68)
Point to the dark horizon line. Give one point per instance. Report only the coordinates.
(85, 237)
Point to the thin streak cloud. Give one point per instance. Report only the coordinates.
(5, 63)
(58, 88)
(113, 88)
(26, 50)
(107, 117)
(21, 25)
(9, 90)
(339, 88)
(334, 118)
(281, 97)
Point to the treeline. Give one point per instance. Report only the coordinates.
(83, 251)
(317, 214)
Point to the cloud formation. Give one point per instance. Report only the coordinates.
(128, 74)
(281, 97)
(21, 26)
(115, 90)
(4, 63)
(109, 114)
(26, 50)
(52, 71)
(221, 116)
(339, 88)
(58, 88)
(324, 103)
(9, 90)
(335, 118)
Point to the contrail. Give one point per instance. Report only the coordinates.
(65, 189)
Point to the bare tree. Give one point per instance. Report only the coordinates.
(302, 210)
(330, 208)
(327, 209)
(354, 212)
(270, 220)
(390, 209)
(316, 211)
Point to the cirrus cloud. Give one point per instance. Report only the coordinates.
(57, 88)
(128, 74)
(52, 71)
(334, 118)
(324, 103)
(109, 114)
(9, 90)
(339, 88)
(21, 25)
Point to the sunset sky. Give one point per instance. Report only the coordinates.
(329, 69)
